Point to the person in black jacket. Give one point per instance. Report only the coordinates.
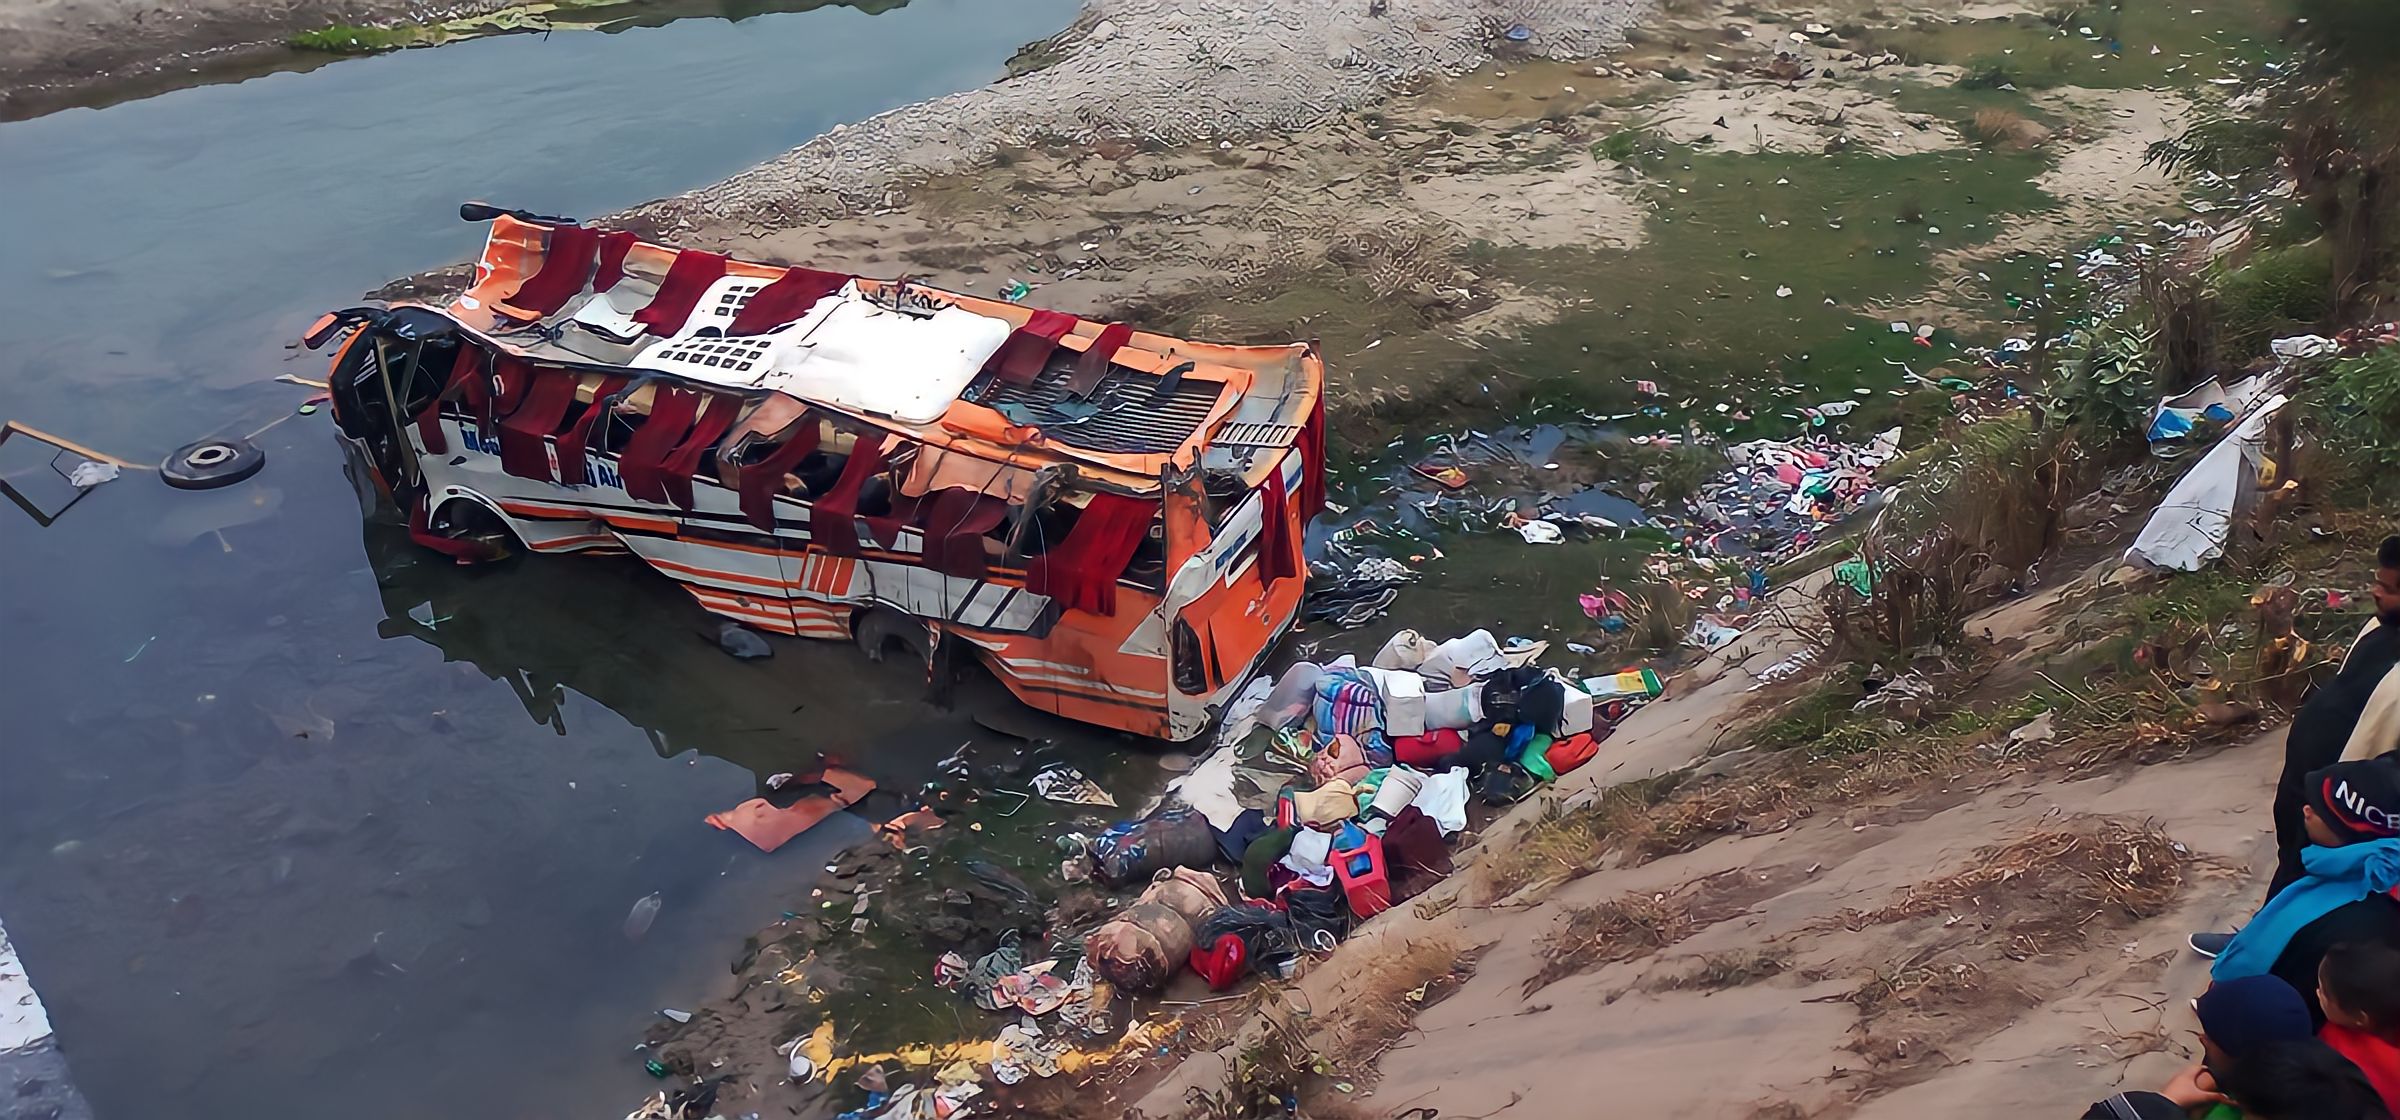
(2323, 725)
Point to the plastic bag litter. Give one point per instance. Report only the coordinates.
(1404, 650)
(90, 473)
(644, 912)
(1268, 940)
(1541, 532)
(1067, 785)
(1022, 1050)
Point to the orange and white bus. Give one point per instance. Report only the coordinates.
(1109, 520)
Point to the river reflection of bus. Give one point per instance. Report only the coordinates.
(608, 630)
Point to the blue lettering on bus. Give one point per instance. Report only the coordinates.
(600, 471)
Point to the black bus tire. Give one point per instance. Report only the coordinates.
(212, 463)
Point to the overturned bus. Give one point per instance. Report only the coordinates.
(1110, 521)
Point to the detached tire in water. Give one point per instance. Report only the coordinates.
(212, 463)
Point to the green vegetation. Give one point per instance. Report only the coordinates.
(1960, 104)
(2358, 410)
(2280, 292)
(343, 38)
(1620, 145)
(2123, 45)
(1697, 304)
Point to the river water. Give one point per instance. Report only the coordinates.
(297, 819)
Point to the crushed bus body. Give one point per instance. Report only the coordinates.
(1110, 521)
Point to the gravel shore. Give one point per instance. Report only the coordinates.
(1172, 71)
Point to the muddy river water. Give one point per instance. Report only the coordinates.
(295, 819)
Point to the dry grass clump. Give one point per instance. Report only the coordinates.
(1294, 1051)
(1719, 971)
(2048, 889)
(1625, 927)
(2007, 128)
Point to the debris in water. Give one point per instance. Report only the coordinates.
(678, 1016)
(1067, 785)
(644, 912)
(734, 639)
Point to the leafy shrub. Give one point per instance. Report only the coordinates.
(2281, 291)
(2105, 384)
(2357, 410)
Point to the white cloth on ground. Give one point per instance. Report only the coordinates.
(1444, 798)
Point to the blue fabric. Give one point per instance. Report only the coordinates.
(2335, 877)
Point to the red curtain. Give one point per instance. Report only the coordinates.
(521, 433)
(1021, 358)
(955, 522)
(687, 280)
(566, 266)
(643, 460)
(788, 298)
(1312, 463)
(833, 518)
(573, 443)
(1092, 365)
(676, 472)
(1275, 545)
(613, 246)
(760, 481)
(465, 380)
(1081, 572)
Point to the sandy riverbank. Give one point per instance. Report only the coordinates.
(53, 50)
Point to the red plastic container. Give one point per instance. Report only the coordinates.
(1369, 891)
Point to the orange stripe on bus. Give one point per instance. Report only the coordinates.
(711, 573)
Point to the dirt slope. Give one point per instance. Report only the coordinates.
(2006, 944)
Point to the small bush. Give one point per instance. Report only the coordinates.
(1620, 146)
(2281, 291)
(2358, 410)
(1992, 71)
(2007, 128)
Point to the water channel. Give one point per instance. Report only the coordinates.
(294, 817)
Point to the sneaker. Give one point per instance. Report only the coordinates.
(2209, 944)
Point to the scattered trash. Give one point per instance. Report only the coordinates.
(90, 473)
(90, 470)
(644, 912)
(734, 638)
(1541, 532)
(2040, 729)
(1067, 785)
(2187, 532)
(768, 827)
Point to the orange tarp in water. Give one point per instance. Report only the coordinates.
(768, 828)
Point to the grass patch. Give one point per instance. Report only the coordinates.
(1697, 305)
(2279, 292)
(1959, 105)
(343, 38)
(1719, 971)
(2101, 45)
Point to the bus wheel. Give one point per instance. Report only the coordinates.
(877, 629)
